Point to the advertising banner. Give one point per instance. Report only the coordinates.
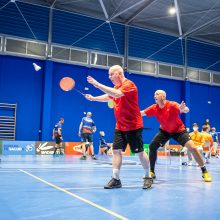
(73, 148)
(46, 148)
(18, 147)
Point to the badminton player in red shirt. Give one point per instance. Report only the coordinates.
(171, 126)
(129, 122)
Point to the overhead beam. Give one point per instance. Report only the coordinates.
(186, 59)
(104, 9)
(146, 5)
(50, 31)
(68, 2)
(208, 33)
(182, 14)
(43, 4)
(126, 47)
(201, 27)
(178, 17)
(52, 5)
(129, 8)
(48, 2)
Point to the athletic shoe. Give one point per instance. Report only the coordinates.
(190, 163)
(152, 175)
(83, 158)
(93, 157)
(148, 181)
(207, 177)
(113, 183)
(184, 163)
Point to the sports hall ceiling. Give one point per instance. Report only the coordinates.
(199, 19)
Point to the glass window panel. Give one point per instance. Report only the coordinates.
(164, 70)
(16, 46)
(61, 53)
(134, 65)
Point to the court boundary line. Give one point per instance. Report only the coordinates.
(140, 186)
(75, 196)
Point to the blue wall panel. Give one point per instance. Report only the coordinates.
(200, 108)
(73, 29)
(202, 55)
(69, 105)
(13, 23)
(21, 84)
(216, 67)
(144, 43)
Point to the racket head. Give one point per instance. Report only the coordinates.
(67, 84)
(111, 103)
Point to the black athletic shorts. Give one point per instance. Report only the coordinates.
(133, 138)
(58, 139)
(86, 137)
(162, 137)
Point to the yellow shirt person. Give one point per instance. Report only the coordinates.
(198, 138)
(208, 143)
(198, 141)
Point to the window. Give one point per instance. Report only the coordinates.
(61, 53)
(164, 70)
(16, 46)
(36, 49)
(193, 74)
(204, 76)
(112, 60)
(99, 59)
(1, 40)
(134, 65)
(79, 56)
(177, 72)
(216, 78)
(148, 67)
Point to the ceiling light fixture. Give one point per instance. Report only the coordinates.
(172, 10)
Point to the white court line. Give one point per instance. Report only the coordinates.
(9, 171)
(140, 186)
(76, 196)
(192, 169)
(101, 187)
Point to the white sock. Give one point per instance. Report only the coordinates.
(115, 173)
(147, 173)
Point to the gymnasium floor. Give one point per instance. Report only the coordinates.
(62, 187)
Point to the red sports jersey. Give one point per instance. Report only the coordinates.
(168, 116)
(126, 109)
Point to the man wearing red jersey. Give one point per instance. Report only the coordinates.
(129, 122)
(171, 126)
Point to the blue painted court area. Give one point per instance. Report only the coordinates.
(47, 187)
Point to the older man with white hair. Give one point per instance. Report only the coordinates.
(129, 122)
(171, 126)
